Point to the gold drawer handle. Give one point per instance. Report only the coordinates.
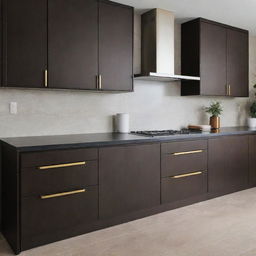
(63, 194)
(186, 175)
(187, 152)
(61, 165)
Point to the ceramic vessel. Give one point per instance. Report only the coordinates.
(215, 122)
(252, 122)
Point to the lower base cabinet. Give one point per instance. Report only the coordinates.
(228, 164)
(180, 188)
(52, 195)
(252, 160)
(129, 179)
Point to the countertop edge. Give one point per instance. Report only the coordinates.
(134, 141)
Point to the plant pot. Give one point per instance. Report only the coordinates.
(252, 122)
(215, 122)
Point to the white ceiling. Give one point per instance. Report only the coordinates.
(238, 13)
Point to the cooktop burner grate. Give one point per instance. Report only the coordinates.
(162, 132)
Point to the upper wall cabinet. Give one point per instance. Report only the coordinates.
(73, 43)
(115, 46)
(68, 44)
(24, 43)
(219, 55)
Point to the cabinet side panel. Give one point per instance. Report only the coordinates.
(190, 56)
(252, 160)
(148, 42)
(10, 197)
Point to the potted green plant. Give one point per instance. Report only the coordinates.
(252, 118)
(215, 109)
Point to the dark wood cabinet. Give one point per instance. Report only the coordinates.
(179, 188)
(42, 217)
(183, 170)
(252, 160)
(228, 164)
(68, 44)
(218, 54)
(50, 195)
(237, 62)
(115, 46)
(213, 70)
(129, 179)
(73, 44)
(24, 43)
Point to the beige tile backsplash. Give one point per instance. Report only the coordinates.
(153, 105)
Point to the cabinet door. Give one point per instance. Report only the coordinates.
(237, 63)
(129, 179)
(73, 44)
(25, 43)
(252, 160)
(213, 60)
(115, 46)
(228, 164)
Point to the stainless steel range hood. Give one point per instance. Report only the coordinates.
(157, 47)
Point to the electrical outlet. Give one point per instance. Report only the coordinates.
(13, 108)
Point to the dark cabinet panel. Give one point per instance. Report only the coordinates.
(175, 189)
(115, 46)
(213, 59)
(42, 216)
(252, 160)
(52, 157)
(183, 146)
(129, 179)
(38, 182)
(219, 54)
(73, 43)
(25, 43)
(172, 164)
(237, 63)
(228, 164)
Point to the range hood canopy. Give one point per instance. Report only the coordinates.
(157, 47)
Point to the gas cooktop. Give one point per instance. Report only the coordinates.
(164, 132)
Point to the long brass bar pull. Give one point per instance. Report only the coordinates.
(188, 152)
(63, 194)
(46, 78)
(61, 165)
(99, 82)
(229, 90)
(186, 175)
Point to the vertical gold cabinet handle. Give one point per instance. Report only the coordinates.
(99, 82)
(228, 90)
(46, 78)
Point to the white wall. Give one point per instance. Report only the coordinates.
(153, 105)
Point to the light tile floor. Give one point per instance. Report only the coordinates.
(225, 226)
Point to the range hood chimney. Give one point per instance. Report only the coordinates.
(157, 47)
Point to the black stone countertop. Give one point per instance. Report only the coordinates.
(38, 143)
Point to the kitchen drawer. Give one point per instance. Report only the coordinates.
(182, 187)
(183, 146)
(36, 182)
(183, 162)
(43, 216)
(52, 157)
